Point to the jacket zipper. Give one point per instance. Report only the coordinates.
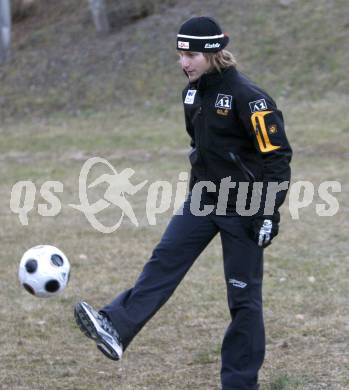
(249, 176)
(201, 131)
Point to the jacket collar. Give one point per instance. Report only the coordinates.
(207, 80)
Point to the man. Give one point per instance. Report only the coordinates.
(237, 133)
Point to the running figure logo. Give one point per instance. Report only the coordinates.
(119, 185)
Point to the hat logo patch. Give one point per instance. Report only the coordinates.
(183, 45)
(212, 45)
(223, 101)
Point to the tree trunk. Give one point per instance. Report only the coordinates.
(100, 16)
(5, 30)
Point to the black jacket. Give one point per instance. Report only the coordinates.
(236, 131)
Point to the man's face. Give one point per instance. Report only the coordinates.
(194, 64)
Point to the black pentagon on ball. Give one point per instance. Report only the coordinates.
(57, 260)
(52, 286)
(29, 288)
(31, 266)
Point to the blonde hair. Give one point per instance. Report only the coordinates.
(220, 60)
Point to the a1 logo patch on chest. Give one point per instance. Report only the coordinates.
(223, 101)
(189, 99)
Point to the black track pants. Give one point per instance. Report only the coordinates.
(184, 239)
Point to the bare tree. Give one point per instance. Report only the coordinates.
(99, 14)
(5, 30)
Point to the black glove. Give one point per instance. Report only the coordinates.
(264, 229)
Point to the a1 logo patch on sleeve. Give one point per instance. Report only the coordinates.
(189, 99)
(223, 101)
(258, 105)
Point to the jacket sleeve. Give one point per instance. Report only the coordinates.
(190, 130)
(264, 124)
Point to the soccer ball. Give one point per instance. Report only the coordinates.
(44, 271)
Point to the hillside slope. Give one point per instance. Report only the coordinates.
(293, 48)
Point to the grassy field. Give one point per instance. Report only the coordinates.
(49, 131)
(307, 322)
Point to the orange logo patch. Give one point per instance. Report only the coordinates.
(272, 129)
(222, 112)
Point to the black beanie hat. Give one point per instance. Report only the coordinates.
(202, 34)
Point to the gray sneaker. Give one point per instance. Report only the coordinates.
(98, 327)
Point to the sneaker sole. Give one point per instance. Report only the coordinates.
(88, 327)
